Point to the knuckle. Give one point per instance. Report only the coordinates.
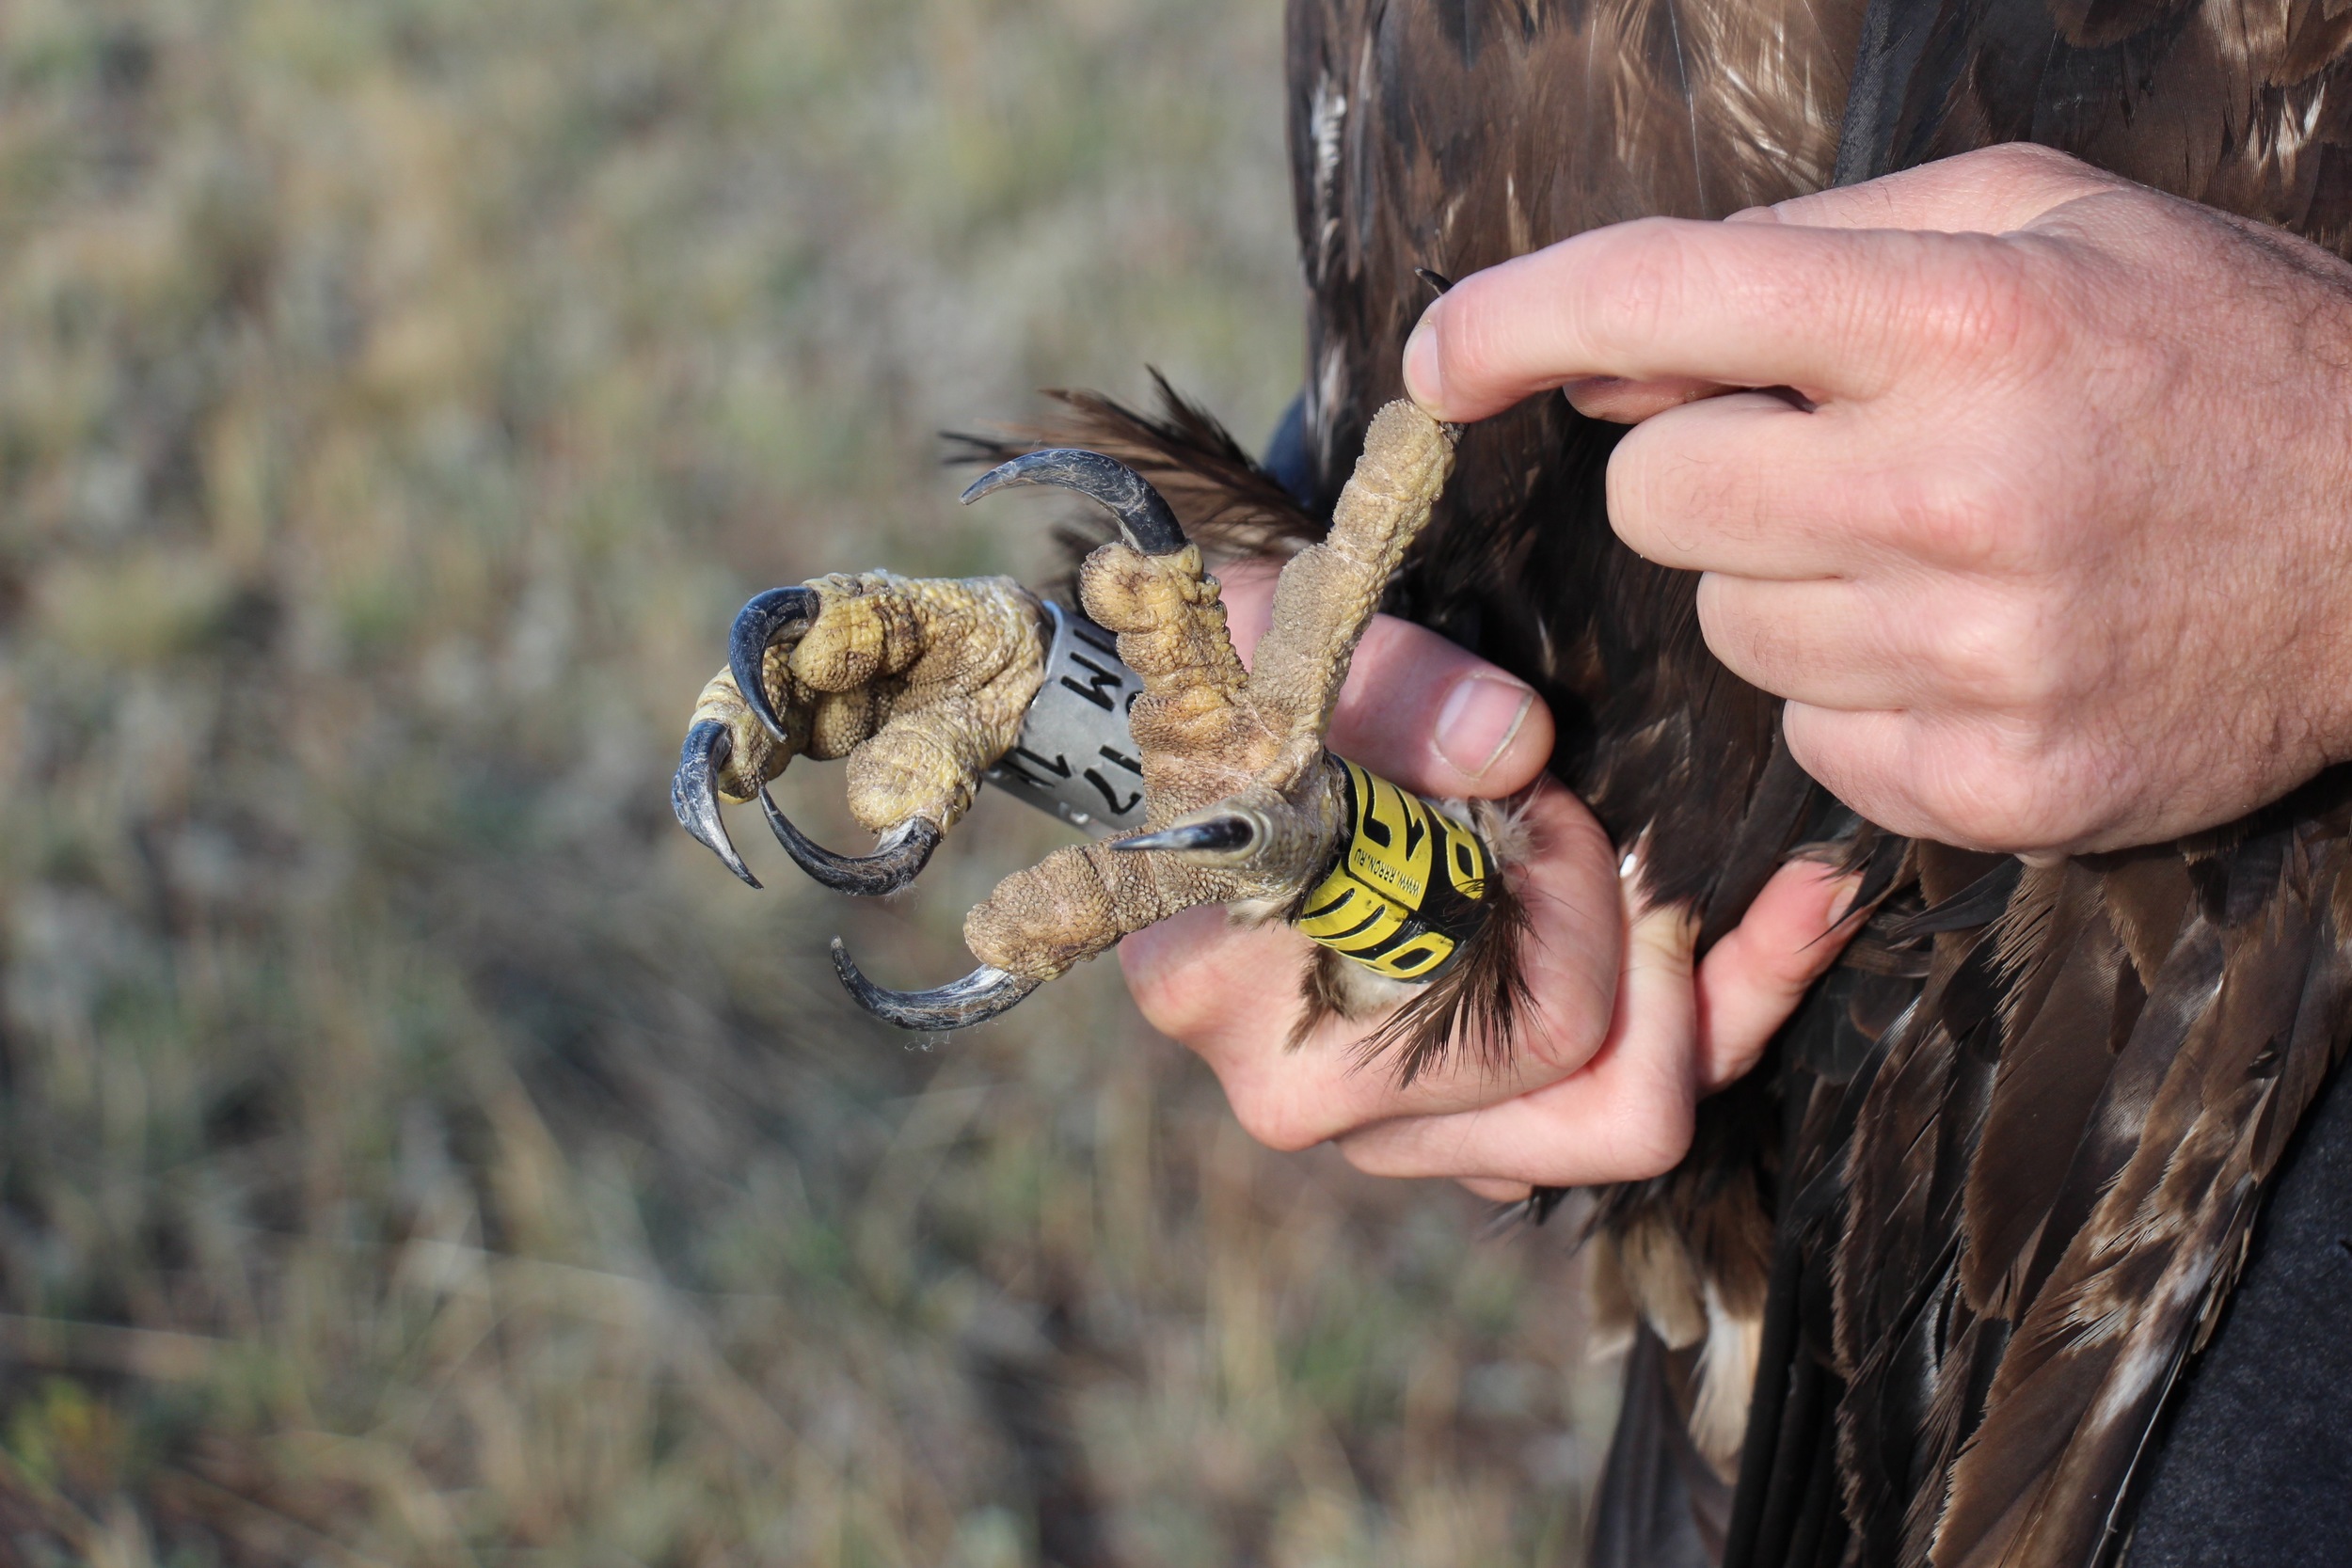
(1470, 346)
(1982, 807)
(1975, 303)
(1984, 785)
(1169, 991)
(1181, 1009)
(1631, 487)
(1274, 1119)
(1637, 284)
(1659, 487)
(1575, 1025)
(1654, 1134)
(1963, 515)
(1568, 1040)
(2001, 655)
(2010, 161)
(1871, 761)
(1754, 647)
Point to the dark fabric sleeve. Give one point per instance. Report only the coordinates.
(2255, 1469)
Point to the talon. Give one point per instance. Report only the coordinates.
(975, 999)
(1143, 517)
(695, 798)
(1218, 834)
(897, 861)
(758, 625)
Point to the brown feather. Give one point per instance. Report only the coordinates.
(1228, 502)
(2119, 1303)
(2050, 1075)
(2006, 1166)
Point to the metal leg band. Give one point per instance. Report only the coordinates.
(1077, 757)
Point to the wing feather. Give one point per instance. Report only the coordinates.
(2014, 1141)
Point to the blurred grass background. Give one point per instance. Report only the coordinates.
(413, 1148)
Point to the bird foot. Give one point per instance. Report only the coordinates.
(922, 685)
(926, 685)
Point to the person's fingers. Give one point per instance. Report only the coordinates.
(1625, 1116)
(1821, 643)
(1500, 1191)
(1827, 311)
(1630, 1108)
(1743, 483)
(1623, 402)
(1976, 784)
(1232, 996)
(1992, 190)
(1870, 646)
(1197, 976)
(1751, 484)
(1679, 1036)
(1753, 979)
(1417, 709)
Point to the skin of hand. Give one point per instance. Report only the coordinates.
(2041, 518)
(1627, 1034)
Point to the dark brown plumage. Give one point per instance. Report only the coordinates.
(1991, 1186)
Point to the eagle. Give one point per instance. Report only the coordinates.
(1944, 1279)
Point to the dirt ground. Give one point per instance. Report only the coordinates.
(413, 1148)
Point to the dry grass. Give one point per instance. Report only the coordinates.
(413, 1149)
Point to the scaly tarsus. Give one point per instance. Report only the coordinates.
(975, 999)
(1143, 517)
(897, 861)
(758, 625)
(694, 794)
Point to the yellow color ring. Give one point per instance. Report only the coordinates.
(1409, 886)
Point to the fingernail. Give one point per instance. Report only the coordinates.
(1423, 383)
(1479, 718)
(1843, 905)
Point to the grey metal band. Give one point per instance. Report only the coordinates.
(1076, 758)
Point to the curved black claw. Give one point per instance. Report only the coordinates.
(1143, 517)
(897, 861)
(695, 798)
(758, 623)
(1223, 833)
(975, 999)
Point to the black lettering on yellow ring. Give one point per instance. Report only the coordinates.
(1408, 887)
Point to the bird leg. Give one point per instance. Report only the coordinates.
(1243, 804)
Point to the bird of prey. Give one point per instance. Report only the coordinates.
(1923, 1286)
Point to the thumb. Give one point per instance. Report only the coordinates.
(1417, 709)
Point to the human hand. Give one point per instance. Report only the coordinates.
(2049, 549)
(1627, 1033)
